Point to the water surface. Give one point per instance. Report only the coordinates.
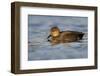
(38, 30)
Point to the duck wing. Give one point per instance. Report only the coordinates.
(72, 35)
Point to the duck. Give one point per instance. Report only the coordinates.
(57, 36)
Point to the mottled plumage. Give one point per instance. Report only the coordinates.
(64, 36)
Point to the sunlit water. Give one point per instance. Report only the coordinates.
(40, 49)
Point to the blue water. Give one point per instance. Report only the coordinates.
(38, 30)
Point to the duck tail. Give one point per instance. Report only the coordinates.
(81, 35)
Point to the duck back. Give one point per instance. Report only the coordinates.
(70, 36)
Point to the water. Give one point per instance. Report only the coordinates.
(38, 30)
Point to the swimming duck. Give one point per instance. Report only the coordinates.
(56, 36)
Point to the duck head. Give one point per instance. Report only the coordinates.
(55, 31)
